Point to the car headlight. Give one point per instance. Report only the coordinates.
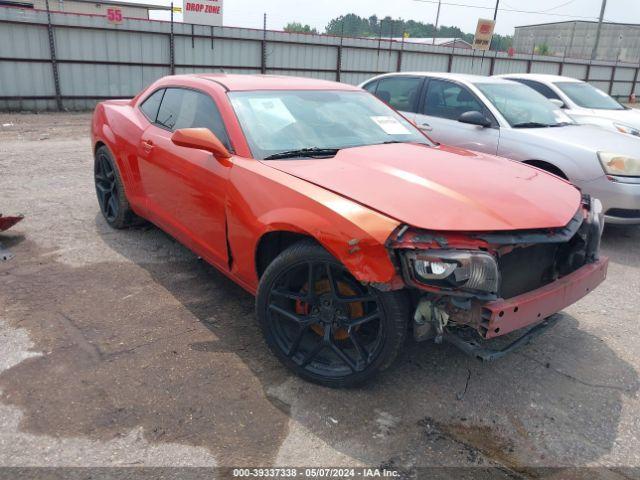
(618, 164)
(626, 129)
(454, 269)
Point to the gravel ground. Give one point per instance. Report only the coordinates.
(121, 348)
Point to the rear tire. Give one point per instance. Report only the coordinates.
(339, 333)
(110, 191)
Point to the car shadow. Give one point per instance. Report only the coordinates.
(170, 344)
(620, 244)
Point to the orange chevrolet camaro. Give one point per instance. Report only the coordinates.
(350, 226)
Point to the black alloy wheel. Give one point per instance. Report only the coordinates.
(324, 324)
(110, 191)
(106, 187)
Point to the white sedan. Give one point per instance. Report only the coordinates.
(583, 102)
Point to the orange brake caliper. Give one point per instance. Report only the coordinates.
(356, 309)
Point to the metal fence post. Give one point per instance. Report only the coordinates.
(54, 63)
(172, 59)
(263, 60)
(612, 78)
(339, 55)
(399, 64)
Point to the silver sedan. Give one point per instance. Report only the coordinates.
(506, 118)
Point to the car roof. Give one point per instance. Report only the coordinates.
(541, 77)
(461, 77)
(239, 82)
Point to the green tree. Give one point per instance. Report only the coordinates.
(297, 27)
(542, 49)
(352, 25)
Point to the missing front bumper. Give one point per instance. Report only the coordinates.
(477, 350)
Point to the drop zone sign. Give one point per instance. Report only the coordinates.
(203, 12)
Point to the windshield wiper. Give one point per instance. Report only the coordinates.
(531, 125)
(304, 152)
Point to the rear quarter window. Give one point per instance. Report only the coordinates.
(400, 92)
(371, 86)
(151, 105)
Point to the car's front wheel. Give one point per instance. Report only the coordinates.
(322, 323)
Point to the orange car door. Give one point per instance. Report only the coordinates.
(186, 188)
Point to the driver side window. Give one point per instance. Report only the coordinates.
(184, 108)
(449, 100)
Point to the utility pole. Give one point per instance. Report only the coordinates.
(435, 31)
(594, 52)
(495, 15)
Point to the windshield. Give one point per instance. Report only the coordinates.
(283, 121)
(587, 96)
(522, 106)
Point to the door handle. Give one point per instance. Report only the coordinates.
(147, 145)
(426, 126)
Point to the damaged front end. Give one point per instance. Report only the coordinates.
(471, 287)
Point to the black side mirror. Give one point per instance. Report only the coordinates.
(474, 117)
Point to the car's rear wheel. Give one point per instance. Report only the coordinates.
(322, 323)
(110, 191)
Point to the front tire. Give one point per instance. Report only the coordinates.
(110, 191)
(322, 323)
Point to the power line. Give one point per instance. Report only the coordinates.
(548, 9)
(558, 6)
(506, 9)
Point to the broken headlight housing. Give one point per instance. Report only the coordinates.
(464, 270)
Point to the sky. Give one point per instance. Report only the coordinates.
(465, 14)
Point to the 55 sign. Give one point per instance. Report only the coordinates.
(114, 15)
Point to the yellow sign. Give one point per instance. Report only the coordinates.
(177, 9)
(484, 32)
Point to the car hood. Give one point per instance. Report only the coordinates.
(587, 137)
(442, 188)
(628, 117)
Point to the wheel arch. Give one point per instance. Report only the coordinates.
(273, 242)
(97, 145)
(547, 167)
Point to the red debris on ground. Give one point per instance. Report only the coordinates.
(8, 222)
